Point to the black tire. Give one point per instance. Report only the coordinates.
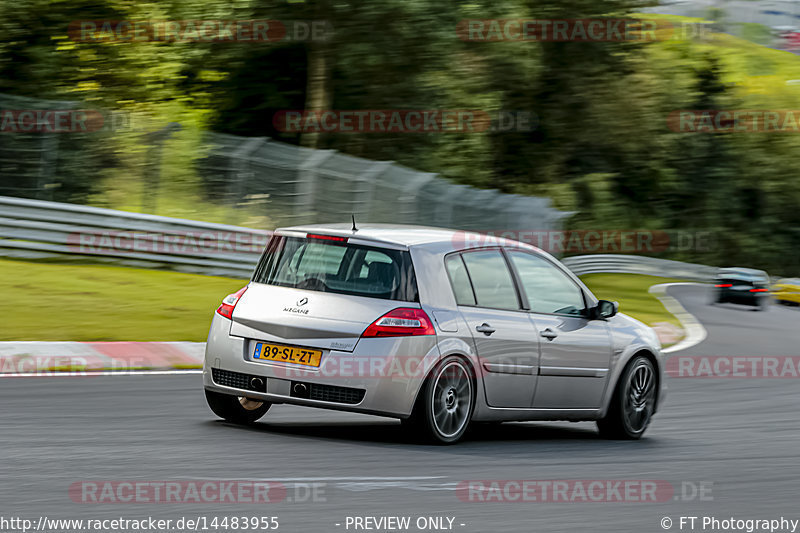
(235, 409)
(445, 404)
(633, 402)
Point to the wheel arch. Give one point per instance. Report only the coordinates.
(465, 358)
(622, 363)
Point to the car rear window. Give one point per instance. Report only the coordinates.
(741, 281)
(734, 281)
(339, 267)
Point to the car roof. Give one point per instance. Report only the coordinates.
(741, 272)
(404, 235)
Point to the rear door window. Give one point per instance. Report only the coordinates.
(491, 280)
(459, 280)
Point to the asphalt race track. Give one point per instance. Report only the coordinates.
(737, 438)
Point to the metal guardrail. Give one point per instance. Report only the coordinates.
(637, 264)
(36, 229)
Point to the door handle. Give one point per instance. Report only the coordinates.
(485, 328)
(549, 334)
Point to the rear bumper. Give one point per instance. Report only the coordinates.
(381, 376)
(744, 298)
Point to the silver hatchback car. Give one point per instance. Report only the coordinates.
(423, 325)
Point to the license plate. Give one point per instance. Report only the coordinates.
(265, 351)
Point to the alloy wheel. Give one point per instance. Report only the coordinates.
(639, 396)
(451, 401)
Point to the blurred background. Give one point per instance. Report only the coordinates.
(190, 128)
(601, 149)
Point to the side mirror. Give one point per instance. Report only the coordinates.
(606, 309)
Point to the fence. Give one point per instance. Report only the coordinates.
(289, 184)
(29, 161)
(302, 185)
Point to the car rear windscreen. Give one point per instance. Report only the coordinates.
(741, 281)
(340, 267)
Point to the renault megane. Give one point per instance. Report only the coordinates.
(418, 324)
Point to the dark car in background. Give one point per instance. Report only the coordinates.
(745, 286)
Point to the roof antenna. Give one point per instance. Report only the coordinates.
(354, 222)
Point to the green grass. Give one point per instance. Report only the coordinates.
(757, 74)
(630, 290)
(52, 302)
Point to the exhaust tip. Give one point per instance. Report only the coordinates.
(256, 383)
(300, 389)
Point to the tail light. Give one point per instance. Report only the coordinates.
(229, 303)
(759, 290)
(333, 238)
(401, 322)
(724, 285)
